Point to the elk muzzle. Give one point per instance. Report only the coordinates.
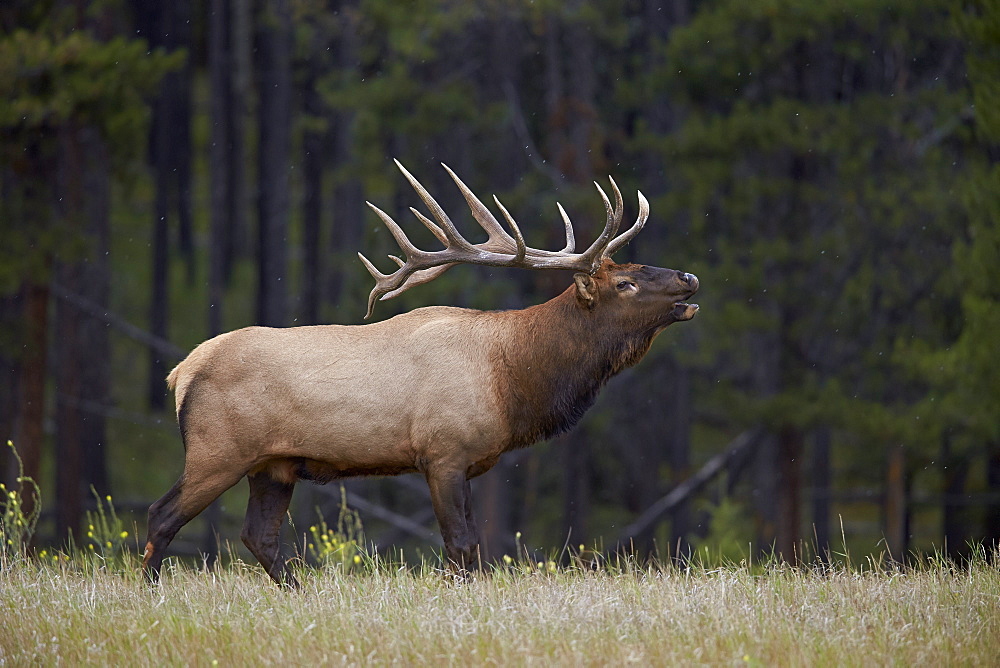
(682, 310)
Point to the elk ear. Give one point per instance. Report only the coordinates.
(586, 289)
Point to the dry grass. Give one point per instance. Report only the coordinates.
(931, 615)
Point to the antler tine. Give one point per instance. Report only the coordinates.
(447, 226)
(379, 278)
(482, 215)
(570, 236)
(619, 207)
(397, 232)
(389, 283)
(422, 266)
(518, 237)
(630, 233)
(430, 225)
(596, 252)
(619, 202)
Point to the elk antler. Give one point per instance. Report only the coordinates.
(499, 250)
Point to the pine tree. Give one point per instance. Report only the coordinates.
(816, 165)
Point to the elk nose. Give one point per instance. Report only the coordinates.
(689, 278)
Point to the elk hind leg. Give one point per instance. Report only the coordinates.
(269, 499)
(190, 495)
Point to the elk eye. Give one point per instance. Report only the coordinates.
(623, 284)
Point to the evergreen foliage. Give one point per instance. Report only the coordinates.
(54, 79)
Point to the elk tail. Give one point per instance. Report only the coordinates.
(172, 378)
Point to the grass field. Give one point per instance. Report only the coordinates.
(933, 614)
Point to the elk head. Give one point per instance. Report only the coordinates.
(651, 294)
(649, 297)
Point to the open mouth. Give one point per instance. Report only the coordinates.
(684, 311)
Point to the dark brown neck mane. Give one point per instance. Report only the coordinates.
(554, 359)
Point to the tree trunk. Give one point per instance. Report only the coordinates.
(503, 78)
(11, 320)
(168, 26)
(576, 486)
(991, 530)
(955, 471)
(159, 304)
(897, 517)
(178, 35)
(96, 288)
(821, 480)
(273, 156)
(789, 483)
(68, 457)
(766, 351)
(660, 115)
(494, 513)
(555, 104)
(67, 350)
(82, 353)
(347, 207)
(679, 430)
(29, 432)
(312, 208)
(219, 63)
(241, 46)
(68, 437)
(348, 226)
(579, 165)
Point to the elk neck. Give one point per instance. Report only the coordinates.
(553, 359)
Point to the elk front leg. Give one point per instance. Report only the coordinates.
(452, 500)
(266, 509)
(470, 521)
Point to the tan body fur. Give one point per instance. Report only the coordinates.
(389, 397)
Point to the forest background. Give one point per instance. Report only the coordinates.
(828, 168)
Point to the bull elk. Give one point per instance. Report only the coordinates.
(441, 391)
